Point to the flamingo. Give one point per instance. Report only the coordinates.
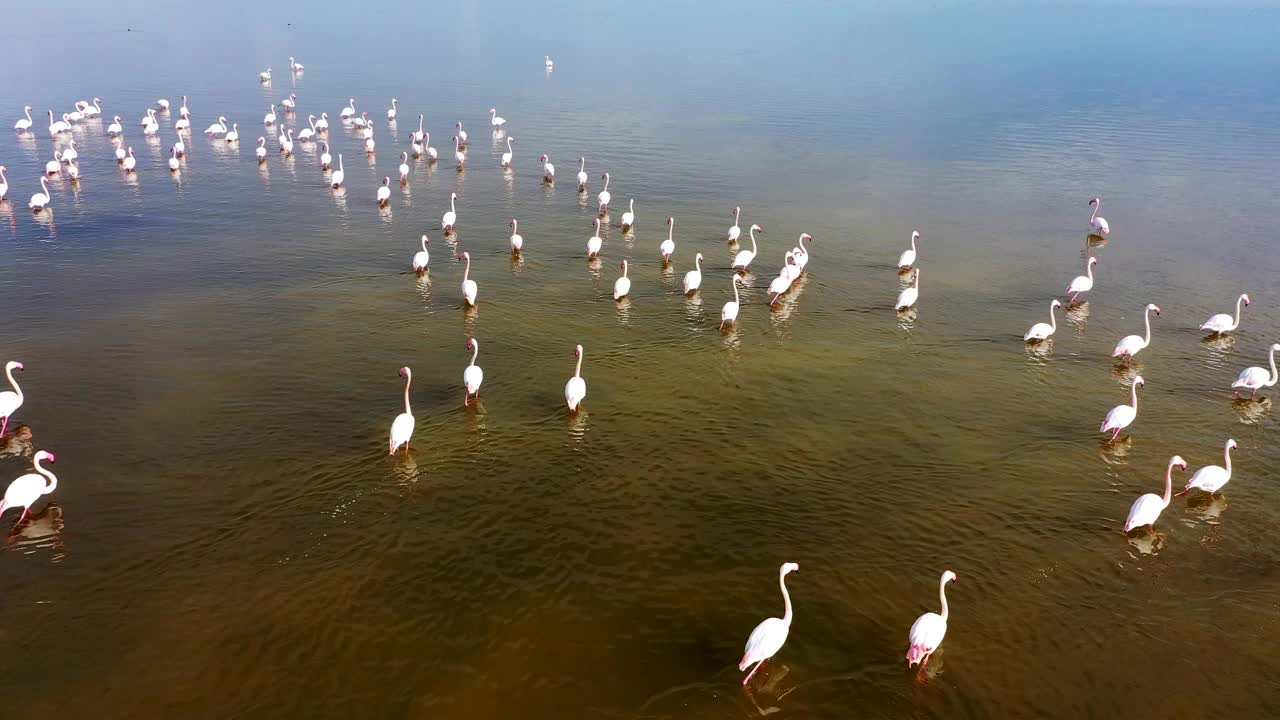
(349, 110)
(402, 426)
(1042, 331)
(629, 217)
(1224, 323)
(94, 110)
(369, 145)
(10, 400)
(801, 252)
(362, 121)
(744, 257)
(622, 285)
(286, 143)
(604, 195)
(218, 128)
(517, 242)
(40, 200)
(404, 167)
(415, 146)
(594, 242)
(130, 162)
(735, 232)
(417, 134)
(469, 288)
(391, 114)
(59, 126)
(582, 174)
(4, 183)
(26, 489)
(270, 117)
(548, 170)
(182, 124)
(458, 153)
(1131, 345)
(790, 266)
(115, 128)
(729, 313)
(295, 66)
(550, 65)
(422, 258)
(152, 128)
(325, 158)
(782, 283)
(449, 218)
(54, 166)
(494, 120)
(384, 192)
(264, 76)
(1211, 478)
(462, 134)
(183, 111)
(24, 124)
(576, 389)
(1083, 283)
(180, 147)
(1097, 224)
(174, 164)
(668, 246)
(163, 104)
(338, 175)
(73, 171)
(473, 375)
(290, 102)
(233, 135)
(1256, 378)
(308, 133)
(70, 154)
(1121, 415)
(769, 636)
(506, 156)
(74, 116)
(322, 125)
(1147, 508)
(907, 298)
(929, 629)
(120, 154)
(261, 150)
(693, 278)
(431, 152)
(908, 257)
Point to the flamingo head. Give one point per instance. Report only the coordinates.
(915, 235)
(1056, 303)
(453, 196)
(948, 576)
(698, 258)
(386, 181)
(459, 124)
(471, 343)
(1095, 201)
(757, 228)
(788, 568)
(1245, 297)
(45, 455)
(542, 158)
(604, 176)
(1177, 460)
(597, 222)
(1275, 347)
(1153, 306)
(1093, 260)
(493, 111)
(1139, 382)
(426, 240)
(671, 221)
(404, 372)
(623, 266)
(14, 365)
(736, 210)
(577, 351)
(1232, 444)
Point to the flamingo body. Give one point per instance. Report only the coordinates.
(769, 636)
(1212, 478)
(929, 629)
(27, 489)
(1147, 508)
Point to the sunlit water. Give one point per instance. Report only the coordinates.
(213, 356)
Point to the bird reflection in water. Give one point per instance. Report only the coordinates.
(771, 688)
(39, 532)
(1124, 374)
(593, 266)
(406, 469)
(576, 422)
(1038, 350)
(907, 319)
(1220, 347)
(1091, 242)
(45, 218)
(1207, 508)
(1116, 452)
(624, 310)
(1148, 542)
(16, 442)
(423, 284)
(517, 263)
(1251, 412)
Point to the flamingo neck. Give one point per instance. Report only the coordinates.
(786, 598)
(9, 373)
(805, 250)
(1147, 320)
(697, 263)
(475, 351)
(1088, 270)
(577, 372)
(624, 268)
(913, 242)
(1095, 212)
(453, 209)
(735, 288)
(53, 479)
(942, 596)
(1133, 395)
(736, 213)
(1226, 454)
(671, 227)
(1274, 376)
(1168, 484)
(1236, 324)
(1053, 319)
(632, 206)
(466, 273)
(408, 379)
(753, 241)
(424, 243)
(917, 282)
(515, 227)
(606, 182)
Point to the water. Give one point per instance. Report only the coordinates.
(213, 358)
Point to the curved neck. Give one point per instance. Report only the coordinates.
(624, 268)
(753, 241)
(1168, 484)
(942, 597)
(577, 372)
(408, 378)
(1226, 455)
(735, 288)
(786, 597)
(1236, 324)
(632, 206)
(339, 163)
(9, 373)
(515, 227)
(1088, 270)
(1133, 395)
(1147, 319)
(466, 274)
(53, 479)
(697, 263)
(424, 243)
(736, 213)
(28, 112)
(606, 182)
(671, 227)
(1271, 358)
(805, 251)
(913, 242)
(582, 166)
(475, 351)
(1053, 319)
(1094, 214)
(453, 209)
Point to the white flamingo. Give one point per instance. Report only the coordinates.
(361, 122)
(182, 124)
(183, 111)
(693, 278)
(462, 134)
(782, 283)
(448, 219)
(494, 120)
(307, 133)
(415, 146)
(338, 175)
(908, 257)
(668, 246)
(1131, 345)
(735, 232)
(290, 103)
(1256, 378)
(576, 389)
(73, 171)
(422, 258)
(582, 173)
(402, 426)
(469, 287)
(295, 66)
(270, 117)
(801, 252)
(4, 183)
(1097, 224)
(349, 110)
(622, 285)
(1224, 323)
(431, 153)
(120, 154)
(40, 200)
(1147, 508)
(458, 153)
(180, 147)
(130, 162)
(286, 143)
(94, 110)
(417, 134)
(550, 65)
(24, 124)
(1211, 478)
(908, 297)
(174, 163)
(517, 242)
(322, 125)
(729, 313)
(1042, 331)
(391, 114)
(264, 76)
(506, 156)
(594, 242)
(769, 636)
(1082, 283)
(261, 151)
(384, 192)
(218, 128)
(25, 490)
(70, 154)
(604, 196)
(233, 135)
(10, 400)
(54, 166)
(326, 159)
(744, 257)
(1121, 416)
(929, 629)
(548, 170)
(115, 128)
(369, 144)
(57, 126)
(163, 104)
(404, 167)
(473, 375)
(629, 217)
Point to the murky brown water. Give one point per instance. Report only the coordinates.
(213, 358)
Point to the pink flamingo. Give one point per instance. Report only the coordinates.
(1122, 415)
(10, 400)
(1131, 345)
(402, 426)
(769, 636)
(1082, 283)
(929, 629)
(27, 489)
(1147, 508)
(1097, 224)
(1211, 478)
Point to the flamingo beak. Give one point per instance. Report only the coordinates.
(52, 457)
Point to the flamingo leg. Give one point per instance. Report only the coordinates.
(1115, 435)
(748, 677)
(4, 426)
(1251, 395)
(27, 510)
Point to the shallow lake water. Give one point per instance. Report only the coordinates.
(213, 356)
